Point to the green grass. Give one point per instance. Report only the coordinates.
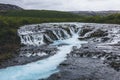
(39, 14)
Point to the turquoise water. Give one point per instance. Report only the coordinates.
(42, 68)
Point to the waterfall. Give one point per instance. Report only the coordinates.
(54, 32)
(66, 33)
(49, 39)
(42, 68)
(37, 37)
(32, 39)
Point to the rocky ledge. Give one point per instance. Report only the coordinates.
(99, 59)
(28, 54)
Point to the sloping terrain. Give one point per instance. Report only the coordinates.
(39, 14)
(4, 7)
(95, 13)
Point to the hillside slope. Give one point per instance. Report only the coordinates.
(39, 14)
(95, 13)
(4, 7)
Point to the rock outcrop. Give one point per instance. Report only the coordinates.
(96, 58)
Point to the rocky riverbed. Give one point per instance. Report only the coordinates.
(28, 54)
(93, 52)
(99, 59)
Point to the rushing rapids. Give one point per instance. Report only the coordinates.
(46, 33)
(37, 35)
(43, 39)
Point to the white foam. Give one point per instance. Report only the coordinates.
(42, 68)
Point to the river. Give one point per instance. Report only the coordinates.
(43, 68)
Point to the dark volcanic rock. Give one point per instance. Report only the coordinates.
(85, 69)
(98, 33)
(99, 59)
(29, 54)
(85, 29)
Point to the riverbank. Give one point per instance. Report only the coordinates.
(28, 54)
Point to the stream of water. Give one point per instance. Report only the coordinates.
(43, 68)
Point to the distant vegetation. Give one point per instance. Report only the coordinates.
(10, 21)
(95, 13)
(39, 14)
(111, 19)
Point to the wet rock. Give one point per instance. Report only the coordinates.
(29, 54)
(85, 69)
(98, 33)
(64, 64)
(93, 61)
(114, 64)
(104, 39)
(85, 29)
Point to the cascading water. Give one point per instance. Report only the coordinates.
(36, 35)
